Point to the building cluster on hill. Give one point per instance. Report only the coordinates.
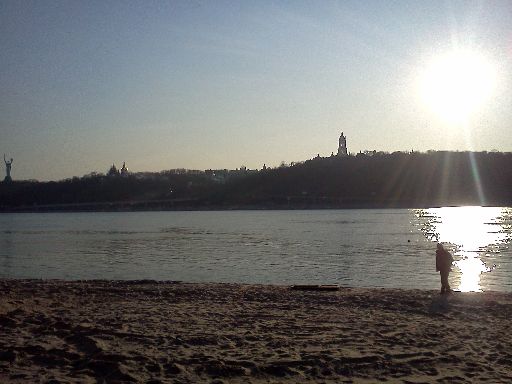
(113, 171)
(365, 179)
(223, 175)
(220, 175)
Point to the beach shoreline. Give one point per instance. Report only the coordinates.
(56, 331)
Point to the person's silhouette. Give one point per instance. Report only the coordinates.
(444, 262)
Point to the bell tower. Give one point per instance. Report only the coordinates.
(342, 145)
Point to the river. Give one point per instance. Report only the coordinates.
(355, 248)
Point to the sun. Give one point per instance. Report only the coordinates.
(457, 84)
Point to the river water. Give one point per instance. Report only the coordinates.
(356, 248)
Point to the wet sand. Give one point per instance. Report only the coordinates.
(147, 332)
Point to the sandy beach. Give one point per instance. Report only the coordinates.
(152, 332)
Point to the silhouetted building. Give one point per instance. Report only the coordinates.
(113, 171)
(218, 175)
(342, 146)
(124, 170)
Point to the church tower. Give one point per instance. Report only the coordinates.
(342, 146)
(124, 170)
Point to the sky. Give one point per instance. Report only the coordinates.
(224, 84)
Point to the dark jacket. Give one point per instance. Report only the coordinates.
(444, 260)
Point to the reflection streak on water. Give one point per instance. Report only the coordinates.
(472, 232)
(360, 248)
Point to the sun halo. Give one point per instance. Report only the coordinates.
(457, 84)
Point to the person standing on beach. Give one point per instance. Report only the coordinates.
(444, 260)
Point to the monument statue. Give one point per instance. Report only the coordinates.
(8, 166)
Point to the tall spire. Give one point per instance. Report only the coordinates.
(342, 146)
(124, 170)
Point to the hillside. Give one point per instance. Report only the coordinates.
(378, 180)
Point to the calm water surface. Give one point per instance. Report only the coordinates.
(360, 248)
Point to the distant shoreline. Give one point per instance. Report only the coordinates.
(149, 206)
(397, 180)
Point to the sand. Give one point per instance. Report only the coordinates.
(148, 332)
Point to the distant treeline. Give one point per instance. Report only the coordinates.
(365, 180)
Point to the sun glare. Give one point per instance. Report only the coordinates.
(455, 85)
(471, 230)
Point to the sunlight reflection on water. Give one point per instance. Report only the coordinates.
(392, 248)
(475, 235)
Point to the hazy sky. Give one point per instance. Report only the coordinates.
(220, 84)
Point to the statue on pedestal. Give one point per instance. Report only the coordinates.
(8, 166)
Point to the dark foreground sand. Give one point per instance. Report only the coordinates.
(103, 331)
